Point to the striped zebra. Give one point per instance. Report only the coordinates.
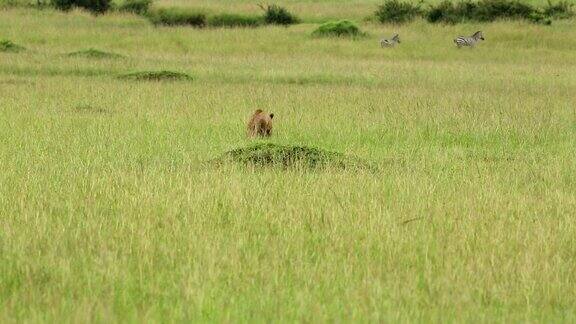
(469, 41)
(384, 42)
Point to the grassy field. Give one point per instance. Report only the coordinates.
(108, 213)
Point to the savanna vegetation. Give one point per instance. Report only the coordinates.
(395, 11)
(422, 183)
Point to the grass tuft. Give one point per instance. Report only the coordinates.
(9, 47)
(291, 156)
(156, 76)
(94, 53)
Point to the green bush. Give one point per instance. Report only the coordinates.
(538, 17)
(94, 6)
(449, 12)
(490, 10)
(233, 20)
(395, 11)
(342, 28)
(177, 16)
(276, 15)
(560, 10)
(138, 7)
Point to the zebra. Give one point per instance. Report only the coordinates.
(384, 42)
(469, 41)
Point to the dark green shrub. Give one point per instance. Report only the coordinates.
(94, 6)
(465, 9)
(560, 10)
(156, 76)
(444, 11)
(538, 17)
(395, 11)
(63, 4)
(277, 15)
(9, 47)
(138, 7)
(342, 28)
(232, 20)
(490, 10)
(177, 16)
(449, 12)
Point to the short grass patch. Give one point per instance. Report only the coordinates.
(156, 76)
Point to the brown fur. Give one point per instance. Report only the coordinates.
(260, 124)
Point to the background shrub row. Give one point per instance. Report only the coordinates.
(391, 11)
(179, 16)
(396, 11)
(273, 14)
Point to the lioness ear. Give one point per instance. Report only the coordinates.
(271, 116)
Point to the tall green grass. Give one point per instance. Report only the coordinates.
(109, 213)
(234, 20)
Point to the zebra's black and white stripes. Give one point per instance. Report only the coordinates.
(385, 42)
(460, 41)
(469, 41)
